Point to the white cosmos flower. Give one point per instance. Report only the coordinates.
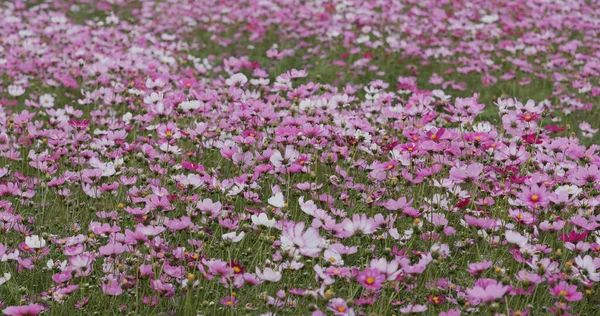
(590, 266)
(35, 242)
(490, 18)
(189, 105)
(5, 278)
(127, 117)
(515, 238)
(269, 274)
(277, 200)
(154, 97)
(15, 90)
(174, 149)
(237, 79)
(262, 220)
(233, 236)
(47, 100)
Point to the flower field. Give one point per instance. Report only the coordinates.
(299, 157)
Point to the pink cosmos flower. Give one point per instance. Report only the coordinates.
(307, 242)
(360, 223)
(413, 308)
(31, 309)
(584, 175)
(466, 173)
(566, 291)
(229, 301)
(451, 312)
(529, 277)
(112, 249)
(487, 290)
(371, 278)
(418, 267)
(476, 268)
(339, 307)
(112, 287)
(162, 288)
(534, 197)
(522, 217)
(485, 223)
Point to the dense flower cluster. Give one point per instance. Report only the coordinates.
(137, 176)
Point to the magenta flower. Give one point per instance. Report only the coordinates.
(31, 309)
(478, 267)
(339, 307)
(413, 308)
(565, 291)
(534, 197)
(466, 173)
(112, 249)
(112, 287)
(229, 301)
(371, 278)
(451, 312)
(487, 290)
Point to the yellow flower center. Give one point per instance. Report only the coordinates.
(569, 264)
(563, 293)
(535, 198)
(370, 280)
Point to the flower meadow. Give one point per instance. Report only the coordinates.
(291, 157)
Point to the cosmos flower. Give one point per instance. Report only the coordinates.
(262, 220)
(31, 309)
(35, 242)
(534, 197)
(308, 242)
(371, 278)
(565, 291)
(269, 274)
(177, 171)
(487, 290)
